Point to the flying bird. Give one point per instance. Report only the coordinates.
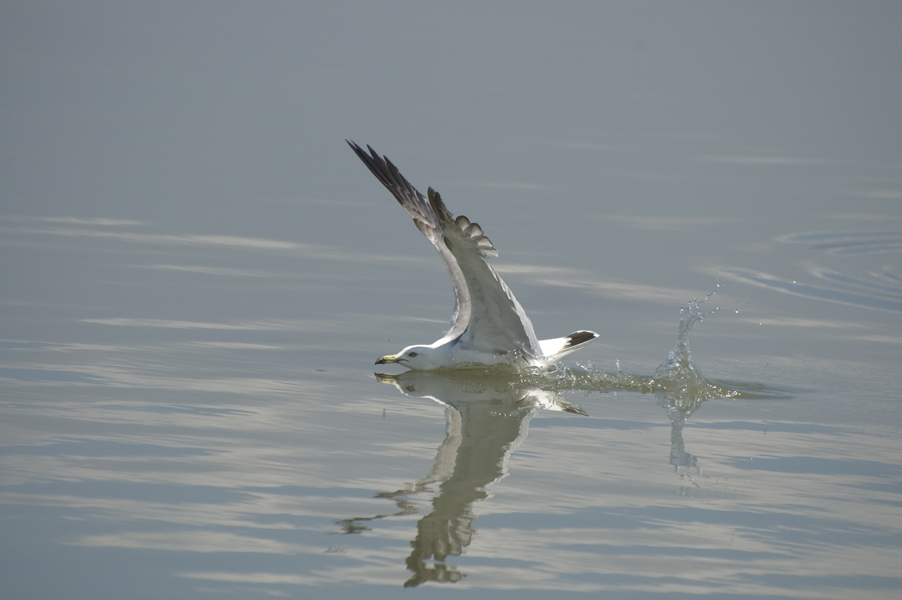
(489, 325)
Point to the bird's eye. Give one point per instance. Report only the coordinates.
(412, 354)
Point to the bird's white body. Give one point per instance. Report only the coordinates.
(455, 354)
(490, 327)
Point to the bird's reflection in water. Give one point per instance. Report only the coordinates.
(487, 418)
(488, 413)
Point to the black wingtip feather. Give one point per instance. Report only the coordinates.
(385, 171)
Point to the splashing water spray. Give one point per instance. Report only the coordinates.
(678, 371)
(677, 377)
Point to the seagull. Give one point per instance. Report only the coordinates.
(489, 325)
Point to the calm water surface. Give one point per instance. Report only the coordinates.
(198, 275)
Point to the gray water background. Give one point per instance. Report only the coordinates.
(198, 275)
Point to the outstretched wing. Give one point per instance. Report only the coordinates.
(488, 316)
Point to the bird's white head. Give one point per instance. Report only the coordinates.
(419, 358)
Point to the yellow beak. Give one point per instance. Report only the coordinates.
(388, 358)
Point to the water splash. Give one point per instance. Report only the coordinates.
(678, 373)
(677, 378)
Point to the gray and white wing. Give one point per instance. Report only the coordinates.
(497, 324)
(488, 316)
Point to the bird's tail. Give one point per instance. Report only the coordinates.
(559, 347)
